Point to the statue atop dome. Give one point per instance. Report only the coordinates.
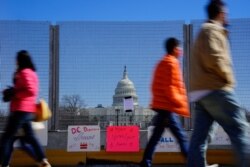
(125, 74)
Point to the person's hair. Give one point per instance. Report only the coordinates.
(214, 7)
(24, 60)
(170, 44)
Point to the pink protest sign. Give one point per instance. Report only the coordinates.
(122, 139)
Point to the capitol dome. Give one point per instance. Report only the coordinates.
(124, 88)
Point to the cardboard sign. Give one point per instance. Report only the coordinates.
(83, 138)
(167, 142)
(122, 139)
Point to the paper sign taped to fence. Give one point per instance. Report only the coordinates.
(220, 137)
(122, 139)
(83, 138)
(128, 104)
(167, 142)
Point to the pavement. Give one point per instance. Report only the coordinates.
(131, 165)
(104, 163)
(122, 165)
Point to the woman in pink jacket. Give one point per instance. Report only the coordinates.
(22, 109)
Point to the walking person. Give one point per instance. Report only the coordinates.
(168, 101)
(212, 88)
(22, 109)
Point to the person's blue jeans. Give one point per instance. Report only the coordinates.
(17, 120)
(222, 107)
(25, 146)
(162, 120)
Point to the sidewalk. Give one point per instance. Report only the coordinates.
(107, 163)
(122, 165)
(130, 165)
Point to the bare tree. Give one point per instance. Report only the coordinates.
(72, 104)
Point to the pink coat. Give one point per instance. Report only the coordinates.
(26, 91)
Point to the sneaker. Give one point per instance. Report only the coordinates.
(214, 165)
(44, 163)
(145, 163)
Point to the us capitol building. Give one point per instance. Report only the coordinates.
(114, 115)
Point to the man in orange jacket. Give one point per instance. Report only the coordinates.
(169, 100)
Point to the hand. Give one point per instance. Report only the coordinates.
(8, 93)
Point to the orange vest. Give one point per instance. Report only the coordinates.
(168, 89)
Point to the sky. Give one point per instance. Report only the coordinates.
(57, 11)
(113, 10)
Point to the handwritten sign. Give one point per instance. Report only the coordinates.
(122, 139)
(220, 137)
(167, 142)
(83, 138)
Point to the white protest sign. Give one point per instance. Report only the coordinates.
(167, 142)
(220, 137)
(83, 138)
